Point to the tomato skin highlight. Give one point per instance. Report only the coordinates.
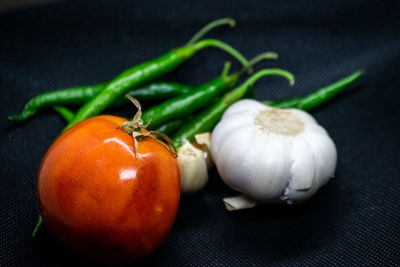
(102, 199)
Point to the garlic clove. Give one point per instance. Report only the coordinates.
(219, 133)
(302, 184)
(192, 167)
(243, 107)
(302, 169)
(274, 166)
(203, 143)
(242, 162)
(325, 155)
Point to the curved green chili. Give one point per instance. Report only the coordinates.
(167, 128)
(80, 95)
(154, 91)
(206, 120)
(70, 96)
(146, 72)
(318, 97)
(186, 104)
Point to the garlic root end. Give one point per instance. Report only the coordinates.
(239, 203)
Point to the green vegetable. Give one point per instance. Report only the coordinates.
(145, 72)
(169, 127)
(161, 90)
(206, 120)
(80, 95)
(67, 114)
(181, 106)
(70, 96)
(156, 92)
(319, 97)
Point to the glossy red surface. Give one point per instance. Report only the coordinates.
(102, 199)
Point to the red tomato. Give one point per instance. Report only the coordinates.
(102, 199)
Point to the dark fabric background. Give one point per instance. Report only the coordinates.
(354, 220)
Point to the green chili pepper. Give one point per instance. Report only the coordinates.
(145, 72)
(64, 112)
(82, 94)
(155, 91)
(186, 104)
(206, 120)
(318, 97)
(68, 96)
(158, 91)
(169, 127)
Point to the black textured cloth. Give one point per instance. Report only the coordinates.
(353, 220)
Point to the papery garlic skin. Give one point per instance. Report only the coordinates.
(202, 141)
(192, 167)
(272, 155)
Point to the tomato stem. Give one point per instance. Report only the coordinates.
(137, 129)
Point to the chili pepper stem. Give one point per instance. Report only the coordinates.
(218, 44)
(260, 57)
(226, 69)
(248, 68)
(216, 23)
(235, 76)
(238, 93)
(266, 55)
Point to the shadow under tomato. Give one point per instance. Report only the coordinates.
(49, 251)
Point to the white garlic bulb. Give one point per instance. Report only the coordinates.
(271, 154)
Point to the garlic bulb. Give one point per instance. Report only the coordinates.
(192, 167)
(271, 154)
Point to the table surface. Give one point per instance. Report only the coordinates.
(353, 220)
